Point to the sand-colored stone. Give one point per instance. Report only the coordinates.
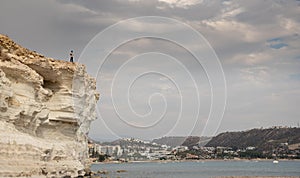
(46, 107)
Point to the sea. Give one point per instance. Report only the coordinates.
(199, 169)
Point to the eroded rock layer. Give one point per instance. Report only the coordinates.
(46, 107)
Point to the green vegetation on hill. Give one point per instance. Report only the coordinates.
(262, 139)
(281, 141)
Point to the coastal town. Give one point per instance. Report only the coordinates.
(131, 149)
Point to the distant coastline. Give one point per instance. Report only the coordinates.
(203, 160)
(276, 143)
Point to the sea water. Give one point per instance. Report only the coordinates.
(202, 169)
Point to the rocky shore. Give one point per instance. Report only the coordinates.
(98, 174)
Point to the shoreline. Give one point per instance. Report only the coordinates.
(118, 169)
(200, 160)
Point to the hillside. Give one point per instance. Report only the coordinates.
(170, 141)
(262, 139)
(184, 141)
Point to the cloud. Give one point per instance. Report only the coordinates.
(252, 58)
(181, 3)
(290, 24)
(256, 75)
(75, 8)
(241, 31)
(295, 76)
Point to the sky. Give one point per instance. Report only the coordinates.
(173, 67)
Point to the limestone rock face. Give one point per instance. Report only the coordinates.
(46, 107)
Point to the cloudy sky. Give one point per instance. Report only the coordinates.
(152, 87)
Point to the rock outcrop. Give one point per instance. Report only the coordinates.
(46, 107)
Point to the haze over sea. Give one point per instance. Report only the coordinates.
(203, 169)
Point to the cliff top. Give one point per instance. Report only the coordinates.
(50, 69)
(28, 57)
(11, 47)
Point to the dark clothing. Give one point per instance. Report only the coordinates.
(71, 56)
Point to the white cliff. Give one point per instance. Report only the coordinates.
(46, 107)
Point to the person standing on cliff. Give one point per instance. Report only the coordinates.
(71, 56)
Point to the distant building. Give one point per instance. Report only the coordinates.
(250, 148)
(110, 150)
(191, 156)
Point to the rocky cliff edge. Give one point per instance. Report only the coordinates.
(46, 107)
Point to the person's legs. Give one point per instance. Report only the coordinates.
(71, 59)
